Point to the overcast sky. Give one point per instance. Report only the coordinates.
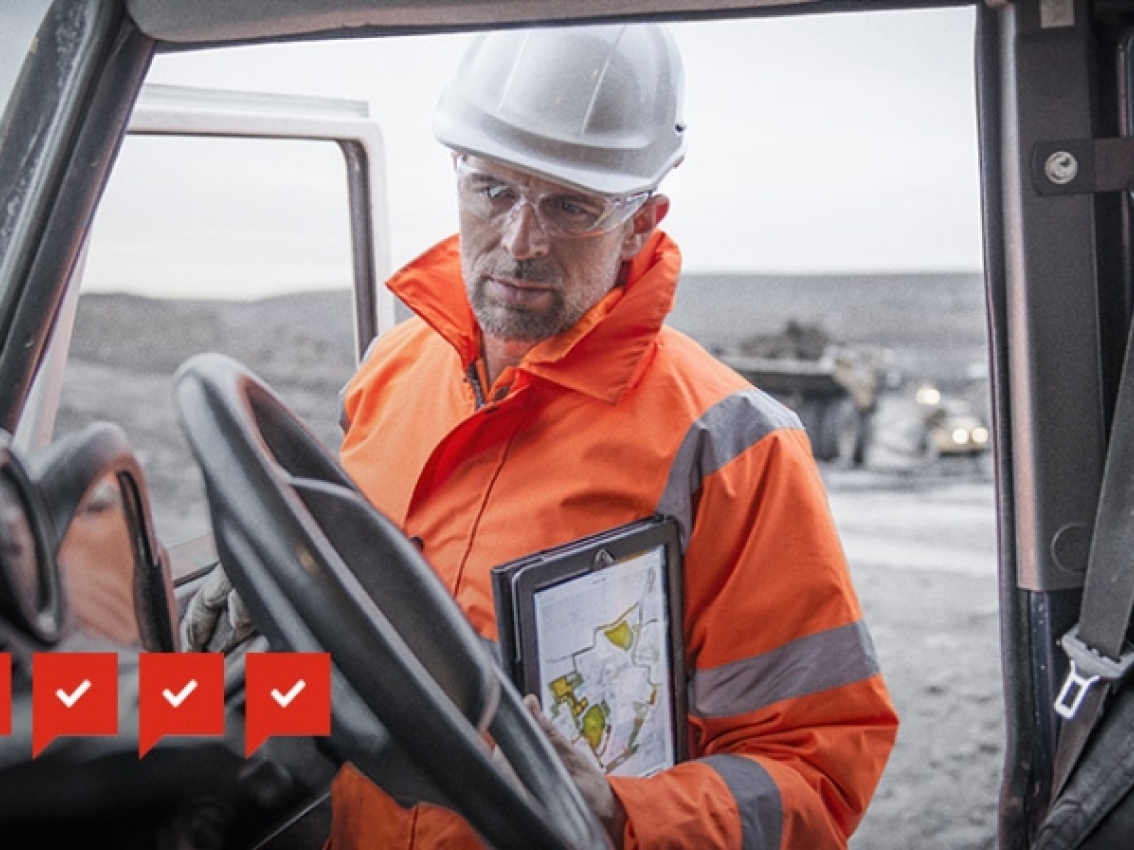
(836, 143)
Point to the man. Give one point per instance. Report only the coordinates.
(537, 398)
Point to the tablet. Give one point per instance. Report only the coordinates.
(594, 629)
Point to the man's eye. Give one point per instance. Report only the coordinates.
(575, 207)
(497, 192)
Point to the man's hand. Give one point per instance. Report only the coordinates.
(591, 781)
(216, 619)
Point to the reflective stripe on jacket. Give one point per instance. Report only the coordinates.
(616, 419)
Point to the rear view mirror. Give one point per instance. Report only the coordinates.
(96, 566)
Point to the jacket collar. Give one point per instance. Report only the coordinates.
(600, 356)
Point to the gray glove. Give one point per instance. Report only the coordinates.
(215, 619)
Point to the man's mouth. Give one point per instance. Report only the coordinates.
(518, 292)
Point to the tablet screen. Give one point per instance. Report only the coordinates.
(604, 667)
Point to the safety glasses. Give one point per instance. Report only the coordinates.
(565, 213)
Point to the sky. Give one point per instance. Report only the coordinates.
(817, 144)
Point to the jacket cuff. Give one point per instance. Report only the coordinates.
(688, 806)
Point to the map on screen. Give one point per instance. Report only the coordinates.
(603, 660)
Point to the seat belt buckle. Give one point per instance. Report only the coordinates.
(1073, 692)
(1088, 666)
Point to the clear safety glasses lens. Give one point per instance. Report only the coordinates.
(568, 213)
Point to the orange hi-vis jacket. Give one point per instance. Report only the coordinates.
(619, 418)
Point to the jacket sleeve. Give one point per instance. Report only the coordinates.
(790, 721)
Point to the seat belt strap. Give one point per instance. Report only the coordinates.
(1096, 647)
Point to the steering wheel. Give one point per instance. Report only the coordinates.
(322, 570)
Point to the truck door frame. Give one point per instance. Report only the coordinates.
(164, 110)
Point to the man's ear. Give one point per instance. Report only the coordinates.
(643, 225)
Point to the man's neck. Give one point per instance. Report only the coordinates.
(500, 354)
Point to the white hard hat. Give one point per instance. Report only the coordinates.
(598, 107)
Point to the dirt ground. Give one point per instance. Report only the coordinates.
(920, 538)
(922, 551)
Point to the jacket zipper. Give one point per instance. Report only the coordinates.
(478, 390)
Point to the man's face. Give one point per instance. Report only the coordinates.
(524, 284)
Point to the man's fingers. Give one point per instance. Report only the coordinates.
(188, 635)
(238, 612)
(546, 725)
(216, 619)
(239, 620)
(590, 779)
(571, 757)
(214, 589)
(532, 705)
(221, 638)
(231, 625)
(201, 617)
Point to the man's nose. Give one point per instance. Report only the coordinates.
(523, 234)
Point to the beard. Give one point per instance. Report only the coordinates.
(561, 306)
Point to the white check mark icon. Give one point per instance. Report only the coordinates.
(69, 699)
(285, 700)
(175, 699)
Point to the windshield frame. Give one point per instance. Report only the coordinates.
(60, 128)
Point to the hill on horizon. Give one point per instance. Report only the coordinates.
(934, 322)
(921, 315)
